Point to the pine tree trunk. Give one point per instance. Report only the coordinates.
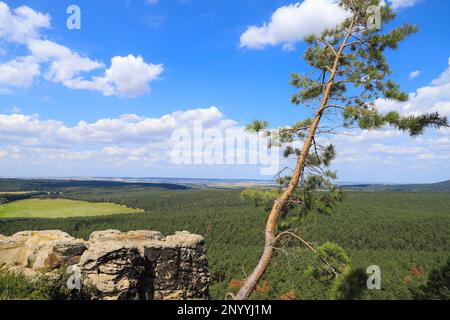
(270, 233)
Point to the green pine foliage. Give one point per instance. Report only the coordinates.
(331, 263)
(437, 286)
(348, 73)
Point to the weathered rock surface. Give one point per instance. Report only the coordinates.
(116, 235)
(114, 265)
(111, 271)
(41, 250)
(178, 267)
(132, 238)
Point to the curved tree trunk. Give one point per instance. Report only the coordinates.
(270, 233)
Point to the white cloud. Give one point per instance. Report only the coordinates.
(132, 144)
(432, 98)
(129, 143)
(21, 24)
(415, 74)
(433, 156)
(397, 4)
(365, 136)
(375, 149)
(16, 109)
(19, 72)
(29, 130)
(127, 76)
(393, 157)
(444, 78)
(64, 63)
(290, 24)
(395, 149)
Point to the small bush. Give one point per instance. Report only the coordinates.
(437, 287)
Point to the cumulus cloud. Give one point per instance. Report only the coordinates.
(432, 98)
(393, 156)
(64, 63)
(127, 76)
(444, 78)
(16, 109)
(370, 135)
(133, 143)
(390, 149)
(415, 74)
(31, 130)
(290, 24)
(397, 4)
(130, 142)
(22, 24)
(19, 72)
(395, 150)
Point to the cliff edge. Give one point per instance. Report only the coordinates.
(113, 265)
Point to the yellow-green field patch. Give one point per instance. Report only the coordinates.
(60, 208)
(8, 193)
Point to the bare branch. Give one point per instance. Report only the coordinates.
(291, 233)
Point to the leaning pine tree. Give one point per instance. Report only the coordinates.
(349, 72)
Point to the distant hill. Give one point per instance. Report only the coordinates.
(203, 182)
(430, 187)
(56, 184)
(18, 185)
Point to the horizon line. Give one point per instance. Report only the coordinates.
(86, 178)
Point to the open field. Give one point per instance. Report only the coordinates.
(60, 208)
(406, 234)
(6, 193)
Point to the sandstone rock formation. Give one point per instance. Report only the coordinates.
(131, 236)
(111, 271)
(178, 267)
(41, 250)
(115, 265)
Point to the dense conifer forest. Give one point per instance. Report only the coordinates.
(405, 234)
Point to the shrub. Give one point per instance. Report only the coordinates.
(437, 287)
(16, 286)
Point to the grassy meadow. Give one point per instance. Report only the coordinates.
(60, 208)
(15, 193)
(405, 234)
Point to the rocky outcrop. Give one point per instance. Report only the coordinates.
(178, 267)
(112, 271)
(41, 250)
(131, 236)
(114, 265)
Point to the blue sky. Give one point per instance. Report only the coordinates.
(191, 59)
